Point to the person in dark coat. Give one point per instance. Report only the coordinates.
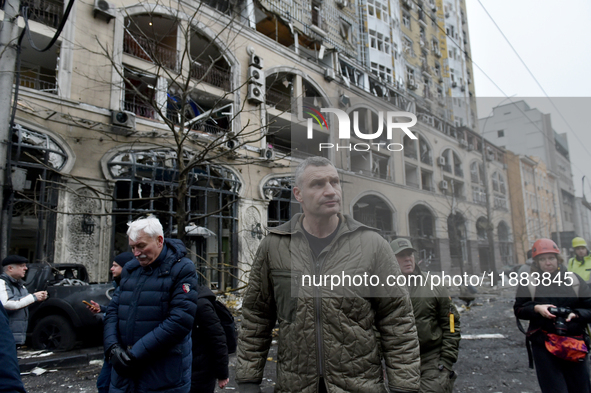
(149, 320)
(10, 375)
(533, 303)
(210, 351)
(104, 379)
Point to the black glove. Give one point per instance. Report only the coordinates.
(123, 362)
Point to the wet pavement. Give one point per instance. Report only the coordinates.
(486, 364)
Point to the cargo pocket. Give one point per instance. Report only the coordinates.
(286, 285)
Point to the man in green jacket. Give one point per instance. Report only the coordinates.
(327, 342)
(437, 321)
(581, 262)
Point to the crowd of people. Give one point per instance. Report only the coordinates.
(162, 332)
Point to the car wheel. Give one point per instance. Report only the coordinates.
(54, 332)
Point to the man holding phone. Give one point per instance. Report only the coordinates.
(104, 379)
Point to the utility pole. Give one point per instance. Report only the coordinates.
(8, 54)
(490, 234)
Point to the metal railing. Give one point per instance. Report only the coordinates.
(140, 108)
(212, 75)
(278, 99)
(46, 12)
(150, 50)
(34, 82)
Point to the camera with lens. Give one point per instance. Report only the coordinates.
(561, 314)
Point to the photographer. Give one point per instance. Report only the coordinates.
(558, 306)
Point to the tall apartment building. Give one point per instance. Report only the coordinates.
(98, 122)
(533, 191)
(583, 212)
(527, 131)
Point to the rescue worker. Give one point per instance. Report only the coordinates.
(581, 262)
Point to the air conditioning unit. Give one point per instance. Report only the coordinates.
(441, 161)
(342, 3)
(256, 75)
(123, 119)
(104, 9)
(229, 144)
(268, 154)
(490, 156)
(412, 85)
(255, 94)
(443, 185)
(329, 74)
(454, 84)
(256, 61)
(344, 100)
(464, 143)
(463, 88)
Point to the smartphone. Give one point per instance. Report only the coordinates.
(88, 304)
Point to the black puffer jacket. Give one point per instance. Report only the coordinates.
(558, 295)
(210, 352)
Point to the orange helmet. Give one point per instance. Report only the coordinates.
(544, 246)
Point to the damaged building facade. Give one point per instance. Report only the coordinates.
(133, 91)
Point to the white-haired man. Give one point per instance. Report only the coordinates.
(149, 320)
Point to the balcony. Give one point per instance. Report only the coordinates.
(46, 12)
(147, 49)
(139, 107)
(35, 79)
(212, 75)
(278, 99)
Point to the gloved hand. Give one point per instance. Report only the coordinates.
(123, 362)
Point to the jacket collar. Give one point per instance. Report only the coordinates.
(14, 281)
(293, 226)
(172, 251)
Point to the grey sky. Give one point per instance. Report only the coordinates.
(553, 40)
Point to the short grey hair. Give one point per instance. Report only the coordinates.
(150, 226)
(313, 161)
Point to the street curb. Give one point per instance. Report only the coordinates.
(63, 361)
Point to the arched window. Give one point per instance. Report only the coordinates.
(453, 164)
(425, 152)
(410, 147)
(477, 179)
(505, 243)
(36, 159)
(422, 231)
(499, 191)
(481, 225)
(147, 183)
(373, 211)
(282, 205)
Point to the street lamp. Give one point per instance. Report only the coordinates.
(88, 224)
